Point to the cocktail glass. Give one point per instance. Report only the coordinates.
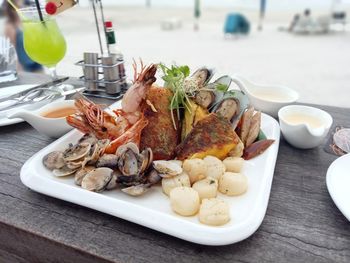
(43, 40)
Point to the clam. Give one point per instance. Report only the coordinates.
(108, 160)
(80, 174)
(153, 177)
(113, 182)
(130, 161)
(64, 171)
(167, 169)
(129, 180)
(97, 179)
(54, 160)
(88, 138)
(137, 190)
(146, 158)
(75, 164)
(76, 152)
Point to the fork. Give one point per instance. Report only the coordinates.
(34, 96)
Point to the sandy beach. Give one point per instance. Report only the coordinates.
(316, 66)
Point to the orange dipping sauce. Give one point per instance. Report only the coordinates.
(59, 113)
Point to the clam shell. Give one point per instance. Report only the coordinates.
(80, 174)
(54, 160)
(167, 169)
(77, 152)
(137, 190)
(108, 160)
(146, 157)
(64, 171)
(128, 163)
(88, 138)
(97, 179)
(113, 182)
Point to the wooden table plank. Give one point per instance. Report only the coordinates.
(302, 224)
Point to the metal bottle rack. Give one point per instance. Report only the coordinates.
(100, 80)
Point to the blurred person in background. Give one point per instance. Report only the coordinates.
(12, 30)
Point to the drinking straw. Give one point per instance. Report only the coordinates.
(39, 10)
(16, 9)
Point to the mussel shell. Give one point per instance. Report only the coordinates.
(244, 104)
(224, 80)
(54, 160)
(77, 152)
(205, 98)
(202, 76)
(97, 179)
(228, 108)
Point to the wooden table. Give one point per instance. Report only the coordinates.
(302, 224)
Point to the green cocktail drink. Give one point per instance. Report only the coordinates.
(44, 42)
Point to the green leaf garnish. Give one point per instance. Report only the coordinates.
(174, 80)
(221, 87)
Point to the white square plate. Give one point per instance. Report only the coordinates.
(153, 208)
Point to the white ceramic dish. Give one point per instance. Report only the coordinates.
(338, 181)
(278, 96)
(303, 136)
(51, 127)
(4, 121)
(153, 209)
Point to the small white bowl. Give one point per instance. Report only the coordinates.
(279, 96)
(302, 135)
(51, 127)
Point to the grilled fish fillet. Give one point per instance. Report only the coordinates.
(212, 135)
(159, 134)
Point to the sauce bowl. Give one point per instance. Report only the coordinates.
(303, 135)
(266, 98)
(51, 127)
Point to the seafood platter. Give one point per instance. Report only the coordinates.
(187, 156)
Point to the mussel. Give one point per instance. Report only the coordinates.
(202, 76)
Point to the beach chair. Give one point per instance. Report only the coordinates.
(236, 24)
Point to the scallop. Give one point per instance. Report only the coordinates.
(167, 169)
(54, 160)
(97, 179)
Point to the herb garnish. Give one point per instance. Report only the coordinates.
(174, 80)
